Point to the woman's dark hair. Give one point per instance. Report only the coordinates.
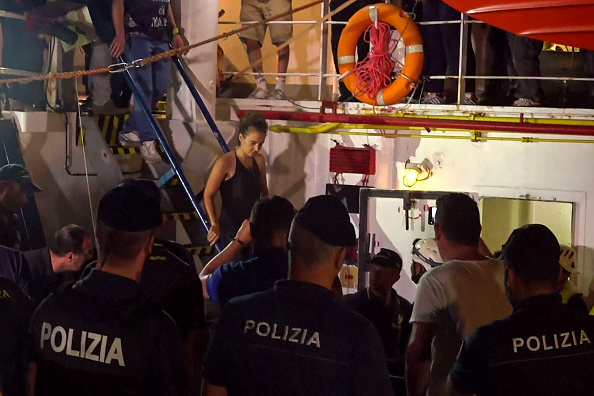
(253, 119)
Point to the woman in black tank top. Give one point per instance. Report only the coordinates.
(240, 177)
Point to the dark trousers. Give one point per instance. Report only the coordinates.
(22, 50)
(441, 44)
(513, 55)
(336, 31)
(524, 54)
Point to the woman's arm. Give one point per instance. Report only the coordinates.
(217, 175)
(261, 161)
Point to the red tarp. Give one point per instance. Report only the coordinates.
(567, 22)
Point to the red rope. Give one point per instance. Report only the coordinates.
(374, 73)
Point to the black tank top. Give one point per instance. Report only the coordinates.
(239, 194)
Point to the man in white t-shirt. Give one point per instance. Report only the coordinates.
(454, 299)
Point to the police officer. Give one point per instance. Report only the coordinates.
(544, 347)
(268, 229)
(98, 337)
(296, 339)
(15, 184)
(170, 282)
(15, 312)
(389, 312)
(61, 262)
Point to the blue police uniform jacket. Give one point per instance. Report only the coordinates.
(251, 276)
(543, 348)
(15, 312)
(14, 266)
(295, 340)
(97, 338)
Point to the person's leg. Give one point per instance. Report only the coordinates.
(435, 61)
(335, 32)
(524, 53)
(497, 65)
(280, 34)
(251, 11)
(100, 84)
(450, 34)
(589, 63)
(23, 50)
(161, 73)
(139, 47)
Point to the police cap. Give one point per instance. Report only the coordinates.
(533, 250)
(327, 218)
(20, 175)
(128, 208)
(387, 258)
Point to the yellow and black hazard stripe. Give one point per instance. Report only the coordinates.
(119, 150)
(109, 125)
(200, 250)
(180, 216)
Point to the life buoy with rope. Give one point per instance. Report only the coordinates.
(413, 61)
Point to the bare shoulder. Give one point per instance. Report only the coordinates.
(260, 160)
(226, 160)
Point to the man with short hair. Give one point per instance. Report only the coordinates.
(453, 299)
(268, 228)
(389, 312)
(296, 339)
(99, 337)
(15, 184)
(544, 347)
(61, 262)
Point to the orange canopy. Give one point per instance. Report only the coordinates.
(567, 22)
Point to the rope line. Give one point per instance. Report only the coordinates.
(120, 67)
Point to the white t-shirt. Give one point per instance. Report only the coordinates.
(458, 297)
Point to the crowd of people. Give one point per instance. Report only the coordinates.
(135, 29)
(129, 318)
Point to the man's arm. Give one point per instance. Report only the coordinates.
(176, 41)
(235, 247)
(119, 42)
(418, 358)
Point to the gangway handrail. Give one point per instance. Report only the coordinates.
(168, 152)
(203, 109)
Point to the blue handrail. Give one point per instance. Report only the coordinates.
(201, 105)
(174, 164)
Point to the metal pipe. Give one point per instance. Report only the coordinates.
(474, 138)
(201, 105)
(174, 164)
(434, 123)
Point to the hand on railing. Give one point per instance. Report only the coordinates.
(117, 46)
(177, 42)
(213, 234)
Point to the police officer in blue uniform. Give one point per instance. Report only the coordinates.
(297, 339)
(389, 312)
(98, 337)
(15, 312)
(544, 347)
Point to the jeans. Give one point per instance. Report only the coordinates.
(152, 81)
(23, 51)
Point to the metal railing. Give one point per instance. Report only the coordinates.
(323, 74)
(176, 167)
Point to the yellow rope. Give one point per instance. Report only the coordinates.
(158, 57)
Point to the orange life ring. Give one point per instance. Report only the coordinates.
(413, 61)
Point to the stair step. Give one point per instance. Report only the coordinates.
(178, 216)
(121, 150)
(200, 250)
